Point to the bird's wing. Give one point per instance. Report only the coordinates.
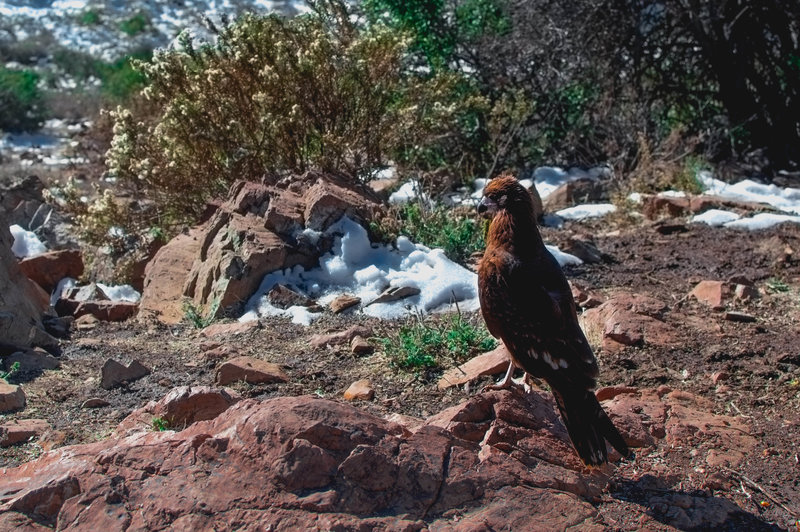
(535, 316)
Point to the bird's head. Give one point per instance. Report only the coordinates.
(505, 193)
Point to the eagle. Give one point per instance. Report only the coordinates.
(526, 302)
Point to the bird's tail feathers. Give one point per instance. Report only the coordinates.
(589, 427)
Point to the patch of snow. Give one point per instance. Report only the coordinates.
(589, 210)
(635, 197)
(564, 259)
(67, 283)
(26, 243)
(124, 292)
(763, 220)
(411, 190)
(785, 199)
(355, 266)
(715, 217)
(672, 194)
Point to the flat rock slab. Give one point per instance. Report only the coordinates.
(113, 373)
(32, 360)
(491, 363)
(251, 370)
(47, 269)
(11, 397)
(230, 329)
(21, 430)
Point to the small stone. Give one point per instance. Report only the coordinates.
(32, 360)
(51, 439)
(11, 397)
(229, 329)
(610, 392)
(338, 338)
(395, 293)
(360, 346)
(343, 302)
(745, 292)
(284, 297)
(712, 293)
(360, 391)
(250, 370)
(584, 249)
(719, 376)
(739, 317)
(583, 297)
(491, 363)
(21, 430)
(113, 373)
(166, 383)
(86, 322)
(95, 402)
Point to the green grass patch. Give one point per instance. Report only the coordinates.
(777, 286)
(89, 18)
(421, 345)
(456, 232)
(134, 25)
(160, 424)
(21, 107)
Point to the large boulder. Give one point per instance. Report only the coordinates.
(21, 305)
(499, 461)
(259, 229)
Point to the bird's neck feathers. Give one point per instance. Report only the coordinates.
(515, 231)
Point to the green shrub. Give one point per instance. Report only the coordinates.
(275, 95)
(159, 424)
(90, 17)
(21, 107)
(134, 25)
(424, 346)
(5, 375)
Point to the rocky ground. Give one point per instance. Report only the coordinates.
(722, 456)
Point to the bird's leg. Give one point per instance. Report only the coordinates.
(509, 380)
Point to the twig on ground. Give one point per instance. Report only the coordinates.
(757, 486)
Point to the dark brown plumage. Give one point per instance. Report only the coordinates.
(526, 301)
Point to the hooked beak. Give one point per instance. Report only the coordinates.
(487, 207)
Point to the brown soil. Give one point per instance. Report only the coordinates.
(761, 359)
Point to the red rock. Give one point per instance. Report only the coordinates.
(113, 373)
(180, 408)
(719, 376)
(250, 370)
(319, 464)
(630, 319)
(94, 402)
(32, 360)
(361, 390)
(12, 397)
(21, 430)
(712, 293)
(583, 297)
(610, 392)
(343, 302)
(282, 296)
(21, 302)
(106, 310)
(230, 329)
(284, 214)
(584, 190)
(360, 346)
(47, 269)
(491, 363)
(165, 276)
(338, 338)
(329, 198)
(655, 206)
(383, 187)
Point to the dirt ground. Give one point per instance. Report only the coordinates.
(761, 360)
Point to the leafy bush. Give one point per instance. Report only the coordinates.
(21, 106)
(276, 95)
(90, 17)
(134, 25)
(5, 375)
(423, 346)
(119, 80)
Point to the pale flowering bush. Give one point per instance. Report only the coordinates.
(273, 96)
